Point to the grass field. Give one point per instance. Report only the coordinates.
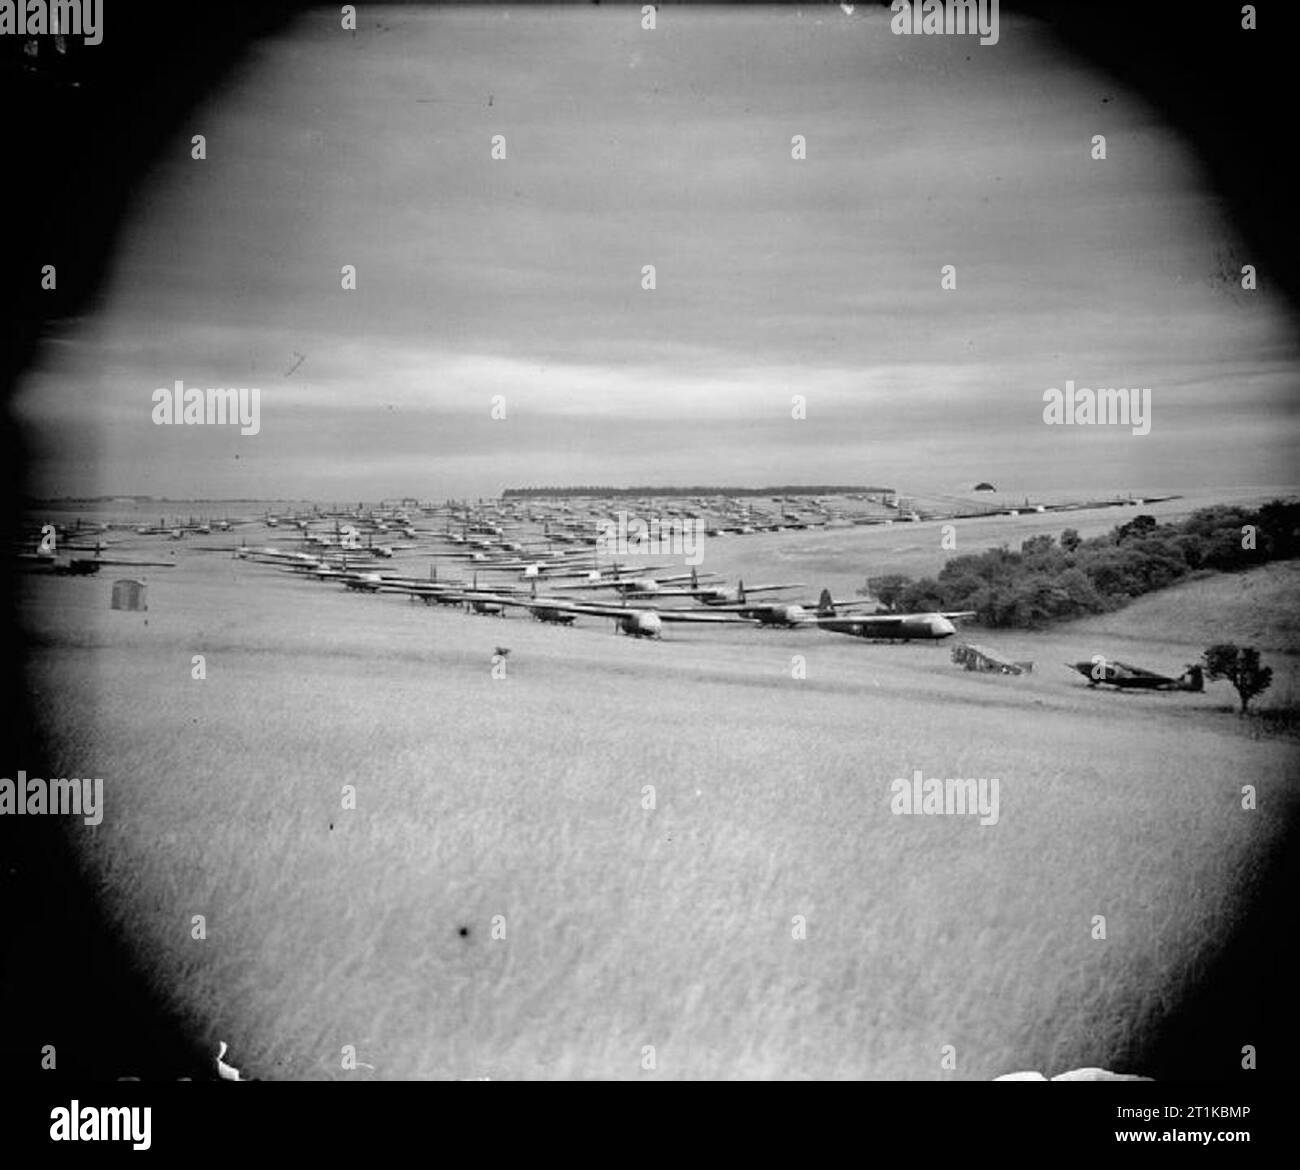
(521, 800)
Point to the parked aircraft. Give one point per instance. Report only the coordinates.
(558, 613)
(43, 557)
(649, 623)
(46, 557)
(722, 596)
(1126, 677)
(635, 622)
(585, 569)
(981, 658)
(900, 627)
(778, 613)
(363, 582)
(644, 587)
(487, 606)
(556, 617)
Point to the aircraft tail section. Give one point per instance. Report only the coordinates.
(825, 605)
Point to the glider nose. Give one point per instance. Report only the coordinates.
(941, 627)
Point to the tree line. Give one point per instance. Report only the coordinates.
(706, 490)
(1049, 580)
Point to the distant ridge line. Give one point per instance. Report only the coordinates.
(794, 489)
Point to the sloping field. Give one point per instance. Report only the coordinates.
(1258, 608)
(517, 807)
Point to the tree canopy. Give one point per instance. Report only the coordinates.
(1048, 580)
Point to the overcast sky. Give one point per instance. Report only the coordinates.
(522, 277)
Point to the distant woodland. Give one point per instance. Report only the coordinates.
(1050, 579)
(828, 489)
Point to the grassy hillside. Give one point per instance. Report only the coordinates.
(519, 801)
(1257, 608)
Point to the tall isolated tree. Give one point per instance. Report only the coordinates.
(1240, 667)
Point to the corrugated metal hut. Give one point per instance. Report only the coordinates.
(129, 594)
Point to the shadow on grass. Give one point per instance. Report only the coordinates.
(1245, 995)
(69, 981)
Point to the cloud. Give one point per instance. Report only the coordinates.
(523, 277)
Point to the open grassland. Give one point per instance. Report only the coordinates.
(523, 797)
(1258, 608)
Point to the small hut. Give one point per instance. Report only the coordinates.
(129, 594)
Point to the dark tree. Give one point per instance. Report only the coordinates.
(1279, 529)
(1240, 667)
(923, 597)
(1139, 526)
(887, 589)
